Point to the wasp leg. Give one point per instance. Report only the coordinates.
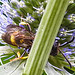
(23, 53)
(65, 58)
(27, 24)
(12, 50)
(20, 56)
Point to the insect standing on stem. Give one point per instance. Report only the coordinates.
(22, 37)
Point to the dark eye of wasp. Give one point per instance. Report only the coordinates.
(54, 50)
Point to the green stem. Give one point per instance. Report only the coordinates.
(45, 36)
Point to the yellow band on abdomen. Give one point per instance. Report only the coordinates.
(12, 38)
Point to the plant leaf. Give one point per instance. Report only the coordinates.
(12, 68)
(51, 71)
(7, 50)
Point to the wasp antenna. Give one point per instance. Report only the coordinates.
(65, 58)
(67, 42)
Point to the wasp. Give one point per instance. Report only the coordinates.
(21, 37)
